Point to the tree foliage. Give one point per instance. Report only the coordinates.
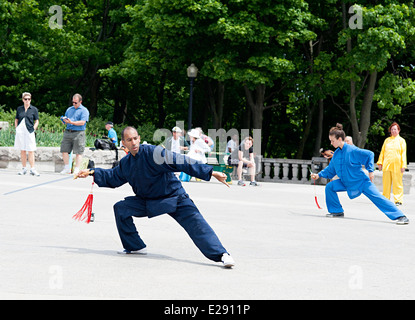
(292, 68)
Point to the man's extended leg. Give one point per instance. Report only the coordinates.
(189, 217)
(124, 211)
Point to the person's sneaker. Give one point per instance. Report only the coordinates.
(22, 172)
(335, 215)
(254, 183)
(241, 183)
(76, 171)
(66, 171)
(402, 220)
(33, 172)
(227, 260)
(141, 251)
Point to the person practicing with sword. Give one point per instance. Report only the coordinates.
(150, 172)
(347, 164)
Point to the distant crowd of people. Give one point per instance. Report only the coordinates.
(75, 121)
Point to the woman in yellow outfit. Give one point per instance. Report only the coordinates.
(392, 161)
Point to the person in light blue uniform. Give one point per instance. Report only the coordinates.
(347, 163)
(150, 172)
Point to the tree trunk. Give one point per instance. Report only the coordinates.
(319, 134)
(160, 100)
(256, 104)
(366, 109)
(215, 101)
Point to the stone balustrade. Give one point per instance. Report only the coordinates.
(286, 170)
(297, 171)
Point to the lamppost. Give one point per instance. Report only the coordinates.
(191, 74)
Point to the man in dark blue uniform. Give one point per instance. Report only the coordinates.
(150, 172)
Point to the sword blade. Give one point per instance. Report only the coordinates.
(38, 185)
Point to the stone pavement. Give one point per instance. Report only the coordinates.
(283, 245)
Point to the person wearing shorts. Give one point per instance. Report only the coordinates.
(26, 123)
(73, 140)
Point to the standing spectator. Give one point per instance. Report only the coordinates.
(26, 123)
(392, 161)
(176, 142)
(112, 135)
(75, 119)
(246, 160)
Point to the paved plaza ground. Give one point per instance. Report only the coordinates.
(283, 245)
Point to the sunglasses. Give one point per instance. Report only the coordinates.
(73, 102)
(27, 99)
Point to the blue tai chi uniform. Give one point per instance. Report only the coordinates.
(347, 165)
(157, 191)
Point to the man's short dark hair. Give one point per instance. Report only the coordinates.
(126, 128)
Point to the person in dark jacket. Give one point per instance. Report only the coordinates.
(150, 172)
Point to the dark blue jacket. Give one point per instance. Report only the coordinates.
(151, 175)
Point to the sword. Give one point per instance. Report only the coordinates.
(38, 185)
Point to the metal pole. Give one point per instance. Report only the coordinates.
(190, 104)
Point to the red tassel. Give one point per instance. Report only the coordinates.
(86, 211)
(317, 202)
(315, 195)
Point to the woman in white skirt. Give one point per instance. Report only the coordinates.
(26, 122)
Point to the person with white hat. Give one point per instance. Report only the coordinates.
(176, 142)
(198, 147)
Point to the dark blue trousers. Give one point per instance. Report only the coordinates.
(186, 214)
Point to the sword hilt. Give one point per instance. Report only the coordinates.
(91, 173)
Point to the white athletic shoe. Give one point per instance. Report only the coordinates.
(227, 261)
(33, 172)
(65, 171)
(141, 251)
(23, 172)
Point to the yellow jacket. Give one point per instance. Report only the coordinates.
(393, 154)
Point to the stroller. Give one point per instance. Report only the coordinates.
(106, 144)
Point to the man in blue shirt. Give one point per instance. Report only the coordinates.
(75, 119)
(150, 172)
(112, 135)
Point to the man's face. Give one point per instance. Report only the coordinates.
(131, 141)
(76, 103)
